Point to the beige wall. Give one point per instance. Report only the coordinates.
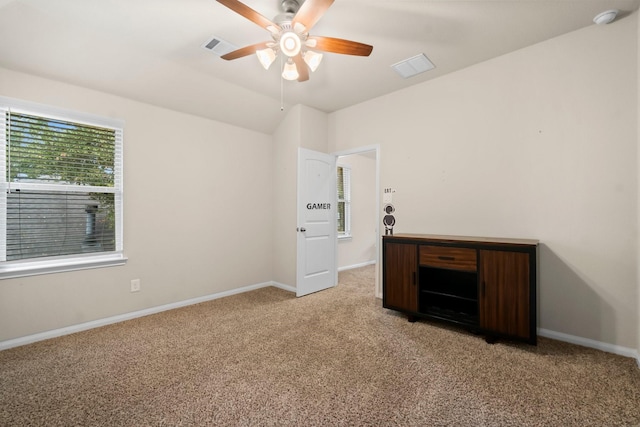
(313, 129)
(195, 223)
(540, 143)
(361, 247)
(304, 127)
(286, 141)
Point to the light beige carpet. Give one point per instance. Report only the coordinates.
(335, 358)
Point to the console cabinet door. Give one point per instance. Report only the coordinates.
(504, 293)
(400, 276)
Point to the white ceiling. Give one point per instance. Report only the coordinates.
(151, 50)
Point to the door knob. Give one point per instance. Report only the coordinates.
(303, 229)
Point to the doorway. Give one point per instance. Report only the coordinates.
(360, 246)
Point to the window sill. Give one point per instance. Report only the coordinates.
(344, 237)
(13, 269)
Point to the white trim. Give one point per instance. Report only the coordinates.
(284, 287)
(586, 342)
(78, 261)
(28, 107)
(362, 264)
(29, 339)
(35, 266)
(42, 186)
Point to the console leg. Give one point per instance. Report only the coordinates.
(411, 318)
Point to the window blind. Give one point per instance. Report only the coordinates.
(343, 181)
(62, 184)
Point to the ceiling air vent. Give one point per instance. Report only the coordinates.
(218, 46)
(414, 65)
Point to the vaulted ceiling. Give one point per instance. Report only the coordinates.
(151, 50)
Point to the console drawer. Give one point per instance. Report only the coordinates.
(444, 257)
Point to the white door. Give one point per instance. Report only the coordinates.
(316, 263)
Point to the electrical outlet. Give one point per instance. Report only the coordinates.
(135, 285)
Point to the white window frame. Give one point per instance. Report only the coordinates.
(347, 202)
(35, 266)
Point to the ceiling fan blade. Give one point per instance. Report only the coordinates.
(245, 51)
(310, 12)
(301, 66)
(250, 14)
(345, 47)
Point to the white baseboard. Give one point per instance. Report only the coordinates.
(586, 342)
(16, 342)
(362, 264)
(284, 287)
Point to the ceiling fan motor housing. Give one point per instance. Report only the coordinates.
(290, 6)
(288, 39)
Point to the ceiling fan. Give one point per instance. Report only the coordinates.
(290, 34)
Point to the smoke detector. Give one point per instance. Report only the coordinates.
(606, 17)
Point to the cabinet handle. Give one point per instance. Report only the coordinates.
(446, 258)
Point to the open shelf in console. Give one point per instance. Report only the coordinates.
(449, 294)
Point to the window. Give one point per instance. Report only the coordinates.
(61, 190)
(344, 201)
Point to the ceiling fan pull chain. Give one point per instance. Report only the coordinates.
(281, 88)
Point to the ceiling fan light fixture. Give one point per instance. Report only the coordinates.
(290, 72)
(299, 28)
(312, 59)
(266, 57)
(290, 44)
(273, 29)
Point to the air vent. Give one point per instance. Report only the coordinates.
(219, 46)
(414, 65)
